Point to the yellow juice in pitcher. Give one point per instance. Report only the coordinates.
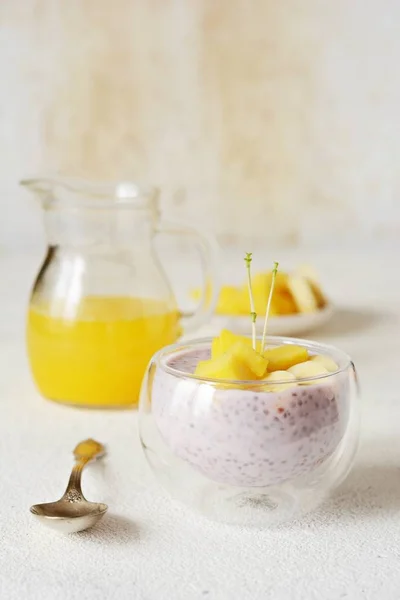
(98, 355)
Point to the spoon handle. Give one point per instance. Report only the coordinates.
(74, 491)
(84, 453)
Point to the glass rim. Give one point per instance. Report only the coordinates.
(97, 195)
(254, 383)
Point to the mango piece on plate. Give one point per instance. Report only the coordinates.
(309, 368)
(311, 275)
(263, 281)
(261, 285)
(230, 301)
(284, 357)
(283, 303)
(303, 294)
(281, 280)
(260, 288)
(319, 295)
(274, 309)
(259, 302)
(325, 361)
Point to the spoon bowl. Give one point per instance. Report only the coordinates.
(69, 517)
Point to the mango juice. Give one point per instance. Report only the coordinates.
(97, 355)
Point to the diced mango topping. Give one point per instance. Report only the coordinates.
(284, 357)
(224, 342)
(216, 348)
(239, 361)
(233, 358)
(223, 367)
(245, 354)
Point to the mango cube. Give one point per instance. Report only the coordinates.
(216, 349)
(230, 301)
(244, 353)
(240, 361)
(226, 340)
(302, 294)
(284, 357)
(283, 303)
(223, 367)
(261, 284)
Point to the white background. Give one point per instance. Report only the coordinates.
(264, 120)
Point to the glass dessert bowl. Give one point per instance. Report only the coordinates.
(250, 452)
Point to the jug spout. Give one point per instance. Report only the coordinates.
(38, 185)
(78, 212)
(85, 194)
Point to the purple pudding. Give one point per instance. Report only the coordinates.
(248, 437)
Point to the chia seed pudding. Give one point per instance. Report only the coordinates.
(245, 437)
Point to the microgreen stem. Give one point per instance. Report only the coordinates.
(271, 291)
(253, 314)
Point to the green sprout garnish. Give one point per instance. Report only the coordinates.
(247, 259)
(271, 291)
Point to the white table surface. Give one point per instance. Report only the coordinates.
(148, 547)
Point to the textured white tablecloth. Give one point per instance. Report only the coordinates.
(149, 548)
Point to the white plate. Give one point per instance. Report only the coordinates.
(290, 325)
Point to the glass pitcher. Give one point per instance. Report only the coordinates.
(101, 304)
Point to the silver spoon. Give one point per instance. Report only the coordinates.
(73, 512)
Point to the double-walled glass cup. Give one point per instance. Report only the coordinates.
(248, 452)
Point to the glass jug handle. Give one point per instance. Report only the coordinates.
(208, 252)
